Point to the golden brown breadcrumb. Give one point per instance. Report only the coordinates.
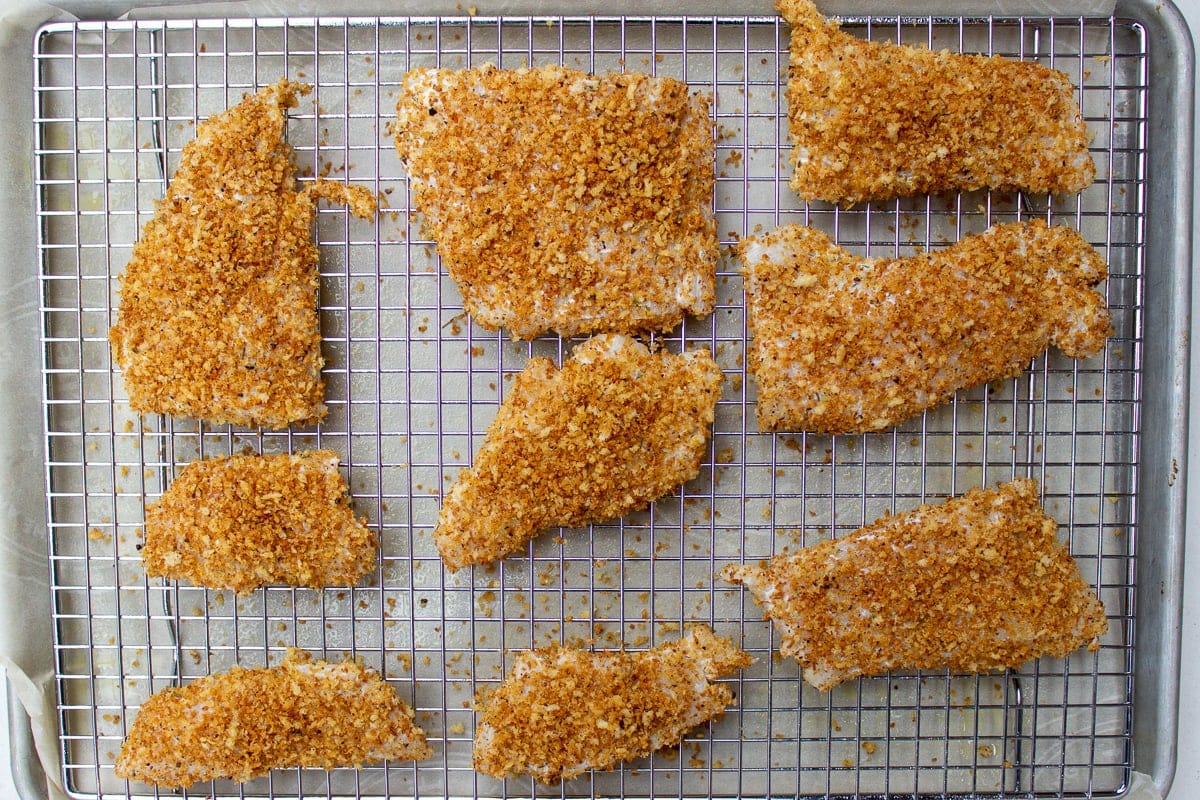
(218, 314)
(615, 428)
(243, 723)
(561, 200)
(563, 711)
(977, 583)
(847, 344)
(871, 121)
(242, 522)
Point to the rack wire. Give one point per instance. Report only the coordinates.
(412, 386)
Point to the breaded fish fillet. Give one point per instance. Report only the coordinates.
(847, 344)
(615, 428)
(561, 200)
(243, 723)
(218, 314)
(977, 583)
(242, 522)
(563, 711)
(872, 121)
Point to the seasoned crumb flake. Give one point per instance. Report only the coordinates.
(872, 121)
(242, 522)
(218, 316)
(975, 584)
(563, 711)
(615, 428)
(243, 723)
(561, 200)
(845, 344)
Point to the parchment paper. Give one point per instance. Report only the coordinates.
(25, 635)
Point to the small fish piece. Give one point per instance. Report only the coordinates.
(561, 200)
(615, 428)
(874, 121)
(246, 521)
(563, 711)
(218, 313)
(845, 344)
(977, 583)
(243, 723)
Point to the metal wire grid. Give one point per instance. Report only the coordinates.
(412, 386)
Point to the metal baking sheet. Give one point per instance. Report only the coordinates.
(412, 385)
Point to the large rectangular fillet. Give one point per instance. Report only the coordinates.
(243, 723)
(846, 344)
(218, 315)
(872, 121)
(615, 428)
(561, 200)
(245, 521)
(977, 583)
(562, 711)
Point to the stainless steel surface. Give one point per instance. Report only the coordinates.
(412, 386)
(28, 779)
(1163, 458)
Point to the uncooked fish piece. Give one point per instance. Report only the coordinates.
(563, 711)
(218, 315)
(872, 121)
(561, 200)
(242, 522)
(243, 723)
(845, 344)
(977, 583)
(615, 428)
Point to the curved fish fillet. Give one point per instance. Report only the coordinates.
(243, 522)
(563, 711)
(218, 313)
(974, 584)
(615, 428)
(242, 723)
(561, 200)
(871, 121)
(845, 344)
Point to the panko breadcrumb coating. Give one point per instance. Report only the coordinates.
(218, 314)
(563, 711)
(246, 521)
(243, 723)
(978, 583)
(845, 344)
(872, 121)
(615, 428)
(561, 200)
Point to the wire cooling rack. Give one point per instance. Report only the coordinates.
(412, 386)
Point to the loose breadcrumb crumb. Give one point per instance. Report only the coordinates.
(564, 201)
(615, 428)
(872, 121)
(242, 723)
(242, 522)
(218, 313)
(563, 711)
(847, 344)
(977, 583)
